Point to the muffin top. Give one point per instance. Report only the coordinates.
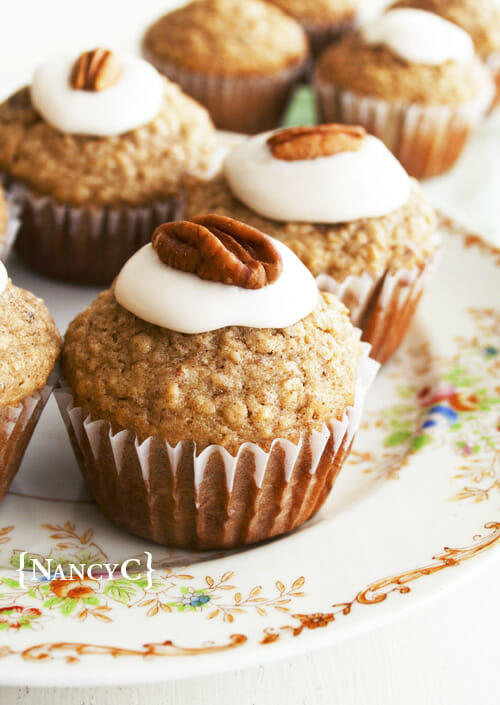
(333, 194)
(129, 360)
(134, 167)
(318, 11)
(228, 37)
(480, 18)
(424, 61)
(29, 342)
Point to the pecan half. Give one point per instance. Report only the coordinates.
(298, 143)
(95, 70)
(219, 249)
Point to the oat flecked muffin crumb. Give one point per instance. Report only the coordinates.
(401, 239)
(318, 11)
(29, 344)
(374, 70)
(228, 37)
(134, 168)
(226, 386)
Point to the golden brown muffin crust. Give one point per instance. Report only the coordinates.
(227, 386)
(374, 70)
(479, 18)
(318, 11)
(29, 344)
(136, 168)
(402, 239)
(228, 37)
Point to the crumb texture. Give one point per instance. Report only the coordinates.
(228, 37)
(227, 386)
(479, 18)
(29, 345)
(401, 239)
(136, 168)
(374, 70)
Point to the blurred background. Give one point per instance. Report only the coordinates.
(31, 30)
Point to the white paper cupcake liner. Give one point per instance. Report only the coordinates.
(85, 245)
(246, 104)
(17, 424)
(427, 139)
(211, 500)
(383, 307)
(13, 222)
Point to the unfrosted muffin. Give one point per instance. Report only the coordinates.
(412, 79)
(29, 347)
(479, 18)
(227, 388)
(239, 59)
(343, 204)
(324, 21)
(98, 158)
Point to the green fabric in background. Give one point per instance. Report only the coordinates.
(302, 110)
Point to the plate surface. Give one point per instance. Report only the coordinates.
(414, 511)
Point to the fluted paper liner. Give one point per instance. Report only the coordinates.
(17, 424)
(427, 139)
(383, 307)
(173, 496)
(7, 238)
(86, 245)
(247, 104)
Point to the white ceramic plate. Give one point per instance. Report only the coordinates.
(414, 511)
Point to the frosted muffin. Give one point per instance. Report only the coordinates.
(412, 79)
(338, 199)
(479, 18)
(324, 21)
(227, 389)
(98, 148)
(9, 224)
(29, 347)
(241, 60)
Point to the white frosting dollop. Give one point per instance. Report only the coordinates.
(4, 278)
(185, 303)
(134, 100)
(419, 37)
(347, 186)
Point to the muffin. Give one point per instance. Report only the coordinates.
(479, 18)
(241, 60)
(412, 79)
(9, 224)
(97, 150)
(29, 347)
(218, 389)
(324, 21)
(344, 205)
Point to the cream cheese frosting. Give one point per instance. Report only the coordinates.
(347, 186)
(4, 278)
(420, 37)
(134, 100)
(183, 302)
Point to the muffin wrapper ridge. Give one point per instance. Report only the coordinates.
(82, 244)
(212, 500)
(427, 139)
(382, 307)
(17, 424)
(248, 104)
(321, 35)
(13, 223)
